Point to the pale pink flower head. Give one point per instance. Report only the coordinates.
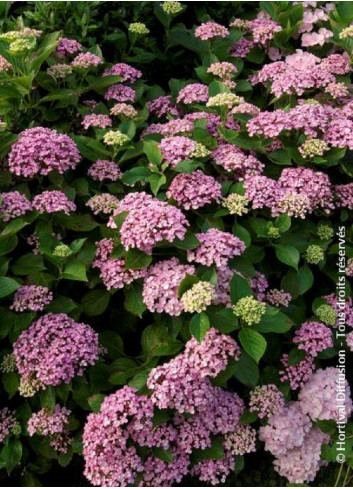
(301, 60)
(210, 30)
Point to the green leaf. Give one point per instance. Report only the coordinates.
(247, 371)
(188, 166)
(274, 321)
(239, 288)
(190, 242)
(95, 302)
(199, 325)
(12, 228)
(136, 259)
(77, 222)
(10, 382)
(95, 402)
(137, 174)
(305, 279)
(223, 319)
(253, 343)
(28, 264)
(7, 286)
(165, 455)
(214, 452)
(133, 300)
(288, 254)
(152, 151)
(283, 223)
(47, 398)
(75, 271)
(186, 284)
(11, 454)
(156, 341)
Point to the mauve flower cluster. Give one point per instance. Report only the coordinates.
(216, 248)
(86, 60)
(194, 190)
(123, 109)
(313, 338)
(160, 286)
(13, 204)
(210, 30)
(31, 298)
(67, 46)
(263, 29)
(120, 93)
(113, 272)
(193, 93)
(125, 420)
(344, 195)
(291, 437)
(54, 349)
(266, 400)
(96, 120)
(53, 201)
(7, 421)
(52, 424)
(105, 203)
(162, 106)
(234, 159)
(297, 374)
(126, 72)
(40, 151)
(148, 222)
(104, 170)
(176, 149)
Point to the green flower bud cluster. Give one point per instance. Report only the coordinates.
(249, 310)
(236, 204)
(314, 254)
(199, 297)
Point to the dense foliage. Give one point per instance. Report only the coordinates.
(176, 243)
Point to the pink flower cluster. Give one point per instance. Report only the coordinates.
(96, 120)
(162, 106)
(125, 71)
(40, 151)
(53, 201)
(263, 30)
(31, 298)
(266, 400)
(161, 283)
(194, 190)
(54, 349)
(125, 422)
(14, 204)
(67, 46)
(113, 272)
(193, 93)
(234, 159)
(216, 248)
(7, 421)
(210, 30)
(120, 93)
(104, 170)
(313, 338)
(53, 425)
(86, 60)
(299, 373)
(176, 149)
(148, 222)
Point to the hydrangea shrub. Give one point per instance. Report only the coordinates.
(171, 249)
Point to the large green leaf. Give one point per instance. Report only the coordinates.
(253, 343)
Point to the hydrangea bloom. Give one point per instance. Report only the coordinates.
(298, 373)
(51, 424)
(67, 46)
(176, 149)
(162, 106)
(120, 93)
(7, 421)
(104, 170)
(193, 93)
(210, 30)
(123, 109)
(241, 441)
(234, 159)
(14, 204)
(194, 190)
(266, 400)
(105, 203)
(317, 397)
(86, 60)
(31, 298)
(40, 151)
(96, 120)
(53, 201)
(313, 337)
(54, 349)
(160, 286)
(216, 248)
(199, 297)
(125, 71)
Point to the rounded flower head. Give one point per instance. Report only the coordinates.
(313, 147)
(296, 374)
(224, 100)
(162, 106)
(31, 298)
(171, 7)
(317, 397)
(200, 151)
(199, 297)
(160, 286)
(54, 349)
(104, 170)
(126, 72)
(176, 149)
(53, 425)
(123, 109)
(194, 190)
(314, 254)
(62, 251)
(67, 46)
(96, 120)
(13, 204)
(327, 314)
(138, 28)
(216, 248)
(53, 201)
(105, 203)
(249, 310)
(86, 60)
(241, 441)
(210, 30)
(236, 204)
(313, 338)
(325, 232)
(115, 138)
(7, 422)
(120, 93)
(266, 400)
(8, 363)
(193, 93)
(40, 151)
(59, 70)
